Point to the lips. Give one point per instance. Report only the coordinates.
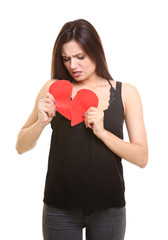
(76, 73)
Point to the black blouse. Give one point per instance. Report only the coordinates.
(83, 173)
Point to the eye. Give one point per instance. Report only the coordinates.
(81, 57)
(65, 59)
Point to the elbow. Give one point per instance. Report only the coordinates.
(18, 145)
(143, 164)
(144, 160)
(18, 149)
(142, 156)
(21, 148)
(19, 152)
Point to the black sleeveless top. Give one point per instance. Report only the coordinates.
(83, 173)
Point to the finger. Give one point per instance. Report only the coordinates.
(48, 104)
(45, 110)
(50, 96)
(86, 122)
(90, 111)
(90, 124)
(92, 114)
(89, 121)
(49, 100)
(47, 107)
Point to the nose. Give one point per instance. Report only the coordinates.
(73, 64)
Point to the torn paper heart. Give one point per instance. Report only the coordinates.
(75, 108)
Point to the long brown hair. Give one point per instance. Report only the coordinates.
(87, 37)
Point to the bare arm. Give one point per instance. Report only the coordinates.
(135, 151)
(42, 114)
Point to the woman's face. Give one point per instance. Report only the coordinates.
(77, 62)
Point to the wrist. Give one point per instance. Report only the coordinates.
(103, 134)
(41, 125)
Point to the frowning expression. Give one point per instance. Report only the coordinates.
(77, 62)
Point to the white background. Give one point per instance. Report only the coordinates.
(135, 38)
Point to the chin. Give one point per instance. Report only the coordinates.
(79, 79)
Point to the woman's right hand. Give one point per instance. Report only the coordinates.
(42, 114)
(46, 109)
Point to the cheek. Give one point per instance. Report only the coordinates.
(66, 66)
(89, 65)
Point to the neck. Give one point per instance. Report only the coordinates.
(92, 82)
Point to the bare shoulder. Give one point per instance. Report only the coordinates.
(130, 96)
(45, 88)
(129, 88)
(129, 92)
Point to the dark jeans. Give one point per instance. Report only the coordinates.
(60, 224)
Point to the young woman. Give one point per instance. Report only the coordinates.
(84, 183)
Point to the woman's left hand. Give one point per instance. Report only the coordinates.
(94, 119)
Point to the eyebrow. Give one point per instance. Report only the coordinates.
(73, 55)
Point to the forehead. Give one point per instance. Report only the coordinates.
(71, 48)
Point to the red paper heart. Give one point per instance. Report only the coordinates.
(61, 91)
(72, 109)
